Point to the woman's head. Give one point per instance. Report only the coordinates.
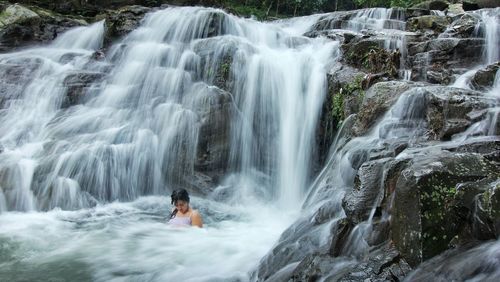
(180, 198)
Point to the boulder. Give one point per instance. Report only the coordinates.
(484, 79)
(451, 110)
(471, 262)
(424, 220)
(434, 23)
(368, 190)
(463, 27)
(214, 108)
(433, 5)
(25, 26)
(335, 20)
(470, 5)
(78, 86)
(383, 264)
(17, 14)
(378, 99)
(437, 59)
(122, 21)
(416, 12)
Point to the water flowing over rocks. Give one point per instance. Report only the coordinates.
(381, 125)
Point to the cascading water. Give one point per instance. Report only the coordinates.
(404, 127)
(136, 131)
(490, 26)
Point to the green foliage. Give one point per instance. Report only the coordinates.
(351, 89)
(386, 3)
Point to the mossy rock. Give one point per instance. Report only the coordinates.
(17, 14)
(433, 5)
(435, 23)
(425, 218)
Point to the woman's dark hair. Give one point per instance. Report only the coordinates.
(178, 195)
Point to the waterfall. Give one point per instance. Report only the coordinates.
(192, 98)
(491, 30)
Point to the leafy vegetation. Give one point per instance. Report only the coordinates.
(263, 9)
(352, 89)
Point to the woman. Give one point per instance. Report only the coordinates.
(183, 214)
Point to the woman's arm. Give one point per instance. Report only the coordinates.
(196, 219)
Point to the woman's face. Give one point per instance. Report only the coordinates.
(182, 206)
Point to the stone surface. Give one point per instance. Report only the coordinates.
(424, 222)
(484, 78)
(24, 27)
(378, 99)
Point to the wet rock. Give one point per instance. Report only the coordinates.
(424, 221)
(463, 27)
(465, 263)
(447, 110)
(33, 26)
(434, 23)
(15, 75)
(78, 85)
(378, 99)
(486, 3)
(444, 77)
(336, 20)
(488, 147)
(294, 245)
(216, 60)
(441, 56)
(433, 5)
(484, 79)
(122, 21)
(214, 108)
(417, 12)
(368, 190)
(356, 52)
(383, 264)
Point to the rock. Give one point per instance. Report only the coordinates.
(455, 9)
(78, 85)
(378, 99)
(471, 262)
(214, 108)
(423, 220)
(15, 75)
(434, 23)
(368, 190)
(447, 110)
(17, 14)
(383, 264)
(215, 60)
(122, 21)
(356, 53)
(35, 26)
(440, 55)
(416, 12)
(463, 27)
(335, 20)
(470, 5)
(433, 5)
(488, 147)
(484, 79)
